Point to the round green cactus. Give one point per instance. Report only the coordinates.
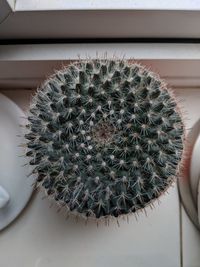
(105, 137)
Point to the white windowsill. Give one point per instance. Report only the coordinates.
(61, 19)
(106, 5)
(26, 66)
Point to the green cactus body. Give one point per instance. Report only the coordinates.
(105, 137)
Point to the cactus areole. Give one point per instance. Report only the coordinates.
(105, 137)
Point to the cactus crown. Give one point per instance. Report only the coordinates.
(105, 137)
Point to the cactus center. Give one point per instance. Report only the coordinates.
(103, 133)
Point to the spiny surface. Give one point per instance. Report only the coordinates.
(105, 137)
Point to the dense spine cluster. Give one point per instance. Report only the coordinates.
(105, 137)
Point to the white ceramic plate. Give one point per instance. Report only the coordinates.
(188, 187)
(13, 176)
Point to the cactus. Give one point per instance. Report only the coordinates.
(105, 137)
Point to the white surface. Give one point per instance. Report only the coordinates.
(107, 4)
(43, 238)
(191, 242)
(46, 239)
(12, 177)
